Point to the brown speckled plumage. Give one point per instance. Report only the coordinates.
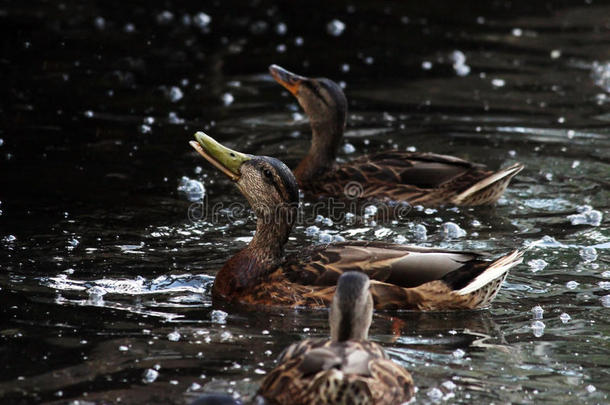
(383, 382)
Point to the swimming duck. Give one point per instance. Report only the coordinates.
(347, 369)
(406, 277)
(427, 179)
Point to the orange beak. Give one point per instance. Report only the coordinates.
(289, 80)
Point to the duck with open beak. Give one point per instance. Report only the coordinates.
(402, 277)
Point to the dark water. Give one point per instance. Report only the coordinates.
(103, 276)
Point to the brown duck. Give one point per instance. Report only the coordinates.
(401, 276)
(347, 369)
(418, 178)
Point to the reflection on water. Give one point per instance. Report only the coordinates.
(105, 277)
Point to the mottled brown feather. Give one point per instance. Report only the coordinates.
(308, 279)
(380, 382)
(418, 178)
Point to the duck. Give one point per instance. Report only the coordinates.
(345, 369)
(426, 179)
(402, 276)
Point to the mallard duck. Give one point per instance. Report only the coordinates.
(425, 179)
(347, 369)
(406, 277)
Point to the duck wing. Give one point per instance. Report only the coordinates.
(400, 265)
(418, 178)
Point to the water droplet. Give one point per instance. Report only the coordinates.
(312, 230)
(173, 336)
(348, 148)
(498, 82)
(435, 394)
(202, 20)
(426, 65)
(586, 216)
(99, 23)
(458, 353)
(517, 32)
(193, 189)
(226, 335)
(129, 28)
(538, 312)
(370, 210)
(604, 285)
(538, 328)
(325, 237)
(565, 318)
(149, 376)
(218, 316)
(173, 118)
(123, 348)
(449, 385)
(174, 94)
(165, 17)
(96, 295)
(572, 284)
(537, 264)
(227, 99)
(421, 233)
(88, 114)
(451, 230)
(555, 54)
(462, 70)
(281, 28)
(281, 48)
(589, 254)
(400, 239)
(590, 388)
(145, 129)
(335, 27)
(345, 68)
(338, 238)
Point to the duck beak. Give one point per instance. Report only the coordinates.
(224, 159)
(289, 80)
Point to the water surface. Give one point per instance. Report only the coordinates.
(105, 277)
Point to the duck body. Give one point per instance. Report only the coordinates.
(345, 369)
(416, 178)
(425, 179)
(320, 371)
(402, 277)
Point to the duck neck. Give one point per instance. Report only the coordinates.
(263, 254)
(325, 140)
(348, 329)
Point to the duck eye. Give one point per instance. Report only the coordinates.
(267, 173)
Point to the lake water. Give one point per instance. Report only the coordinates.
(105, 277)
